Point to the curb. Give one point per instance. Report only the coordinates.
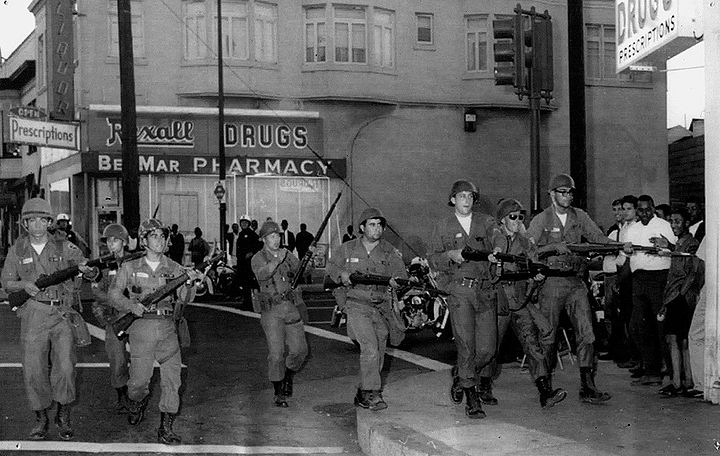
(382, 438)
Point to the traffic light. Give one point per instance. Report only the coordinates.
(538, 55)
(507, 50)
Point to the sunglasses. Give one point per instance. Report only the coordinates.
(516, 217)
(565, 192)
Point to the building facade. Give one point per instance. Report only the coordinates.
(378, 90)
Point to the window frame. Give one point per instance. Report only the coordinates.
(477, 70)
(431, 16)
(349, 22)
(258, 21)
(202, 38)
(228, 30)
(315, 24)
(624, 78)
(378, 54)
(138, 29)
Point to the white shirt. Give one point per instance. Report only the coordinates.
(640, 234)
(465, 222)
(694, 227)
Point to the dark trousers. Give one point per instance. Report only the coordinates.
(647, 293)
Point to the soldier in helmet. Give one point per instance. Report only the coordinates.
(153, 337)
(44, 328)
(473, 296)
(116, 237)
(366, 304)
(62, 222)
(551, 231)
(281, 310)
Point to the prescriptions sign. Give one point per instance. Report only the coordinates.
(642, 27)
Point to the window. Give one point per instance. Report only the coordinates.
(476, 42)
(265, 32)
(600, 56)
(138, 34)
(195, 30)
(235, 33)
(424, 28)
(383, 38)
(350, 34)
(315, 34)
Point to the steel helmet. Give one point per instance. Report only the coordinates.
(507, 206)
(561, 180)
(463, 186)
(150, 225)
(117, 231)
(372, 213)
(245, 217)
(36, 207)
(269, 228)
(62, 216)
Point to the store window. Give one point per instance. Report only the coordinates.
(138, 27)
(383, 38)
(350, 24)
(476, 43)
(60, 196)
(424, 24)
(315, 34)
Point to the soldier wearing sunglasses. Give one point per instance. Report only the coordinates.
(551, 231)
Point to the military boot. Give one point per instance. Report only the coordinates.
(39, 431)
(456, 391)
(62, 419)
(166, 434)
(549, 396)
(122, 399)
(280, 399)
(376, 401)
(588, 391)
(473, 409)
(287, 383)
(484, 390)
(137, 410)
(362, 398)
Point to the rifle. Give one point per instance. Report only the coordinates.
(358, 278)
(121, 325)
(308, 255)
(18, 298)
(588, 249)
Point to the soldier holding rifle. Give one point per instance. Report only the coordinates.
(368, 306)
(281, 311)
(46, 326)
(551, 231)
(153, 336)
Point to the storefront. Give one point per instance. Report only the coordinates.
(275, 168)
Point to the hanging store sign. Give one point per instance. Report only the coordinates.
(43, 133)
(241, 166)
(60, 64)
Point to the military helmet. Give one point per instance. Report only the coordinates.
(115, 230)
(507, 206)
(150, 225)
(36, 207)
(463, 186)
(372, 213)
(245, 217)
(269, 227)
(561, 180)
(62, 216)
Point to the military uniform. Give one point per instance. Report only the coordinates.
(365, 304)
(281, 310)
(152, 337)
(473, 296)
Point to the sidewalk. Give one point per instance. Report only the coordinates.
(421, 420)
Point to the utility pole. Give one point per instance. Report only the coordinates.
(131, 171)
(576, 82)
(220, 189)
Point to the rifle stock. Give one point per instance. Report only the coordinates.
(18, 298)
(305, 260)
(121, 325)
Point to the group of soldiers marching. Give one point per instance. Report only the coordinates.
(481, 306)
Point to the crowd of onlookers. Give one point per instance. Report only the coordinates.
(653, 299)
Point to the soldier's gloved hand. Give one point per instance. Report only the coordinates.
(562, 249)
(539, 277)
(393, 283)
(30, 287)
(628, 248)
(194, 276)
(456, 255)
(345, 278)
(138, 309)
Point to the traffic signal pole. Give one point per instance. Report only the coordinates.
(221, 128)
(534, 99)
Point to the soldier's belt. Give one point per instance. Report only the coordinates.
(158, 313)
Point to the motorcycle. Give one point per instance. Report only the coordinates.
(420, 307)
(219, 281)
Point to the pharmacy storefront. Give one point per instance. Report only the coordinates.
(275, 167)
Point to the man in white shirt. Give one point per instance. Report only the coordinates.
(649, 275)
